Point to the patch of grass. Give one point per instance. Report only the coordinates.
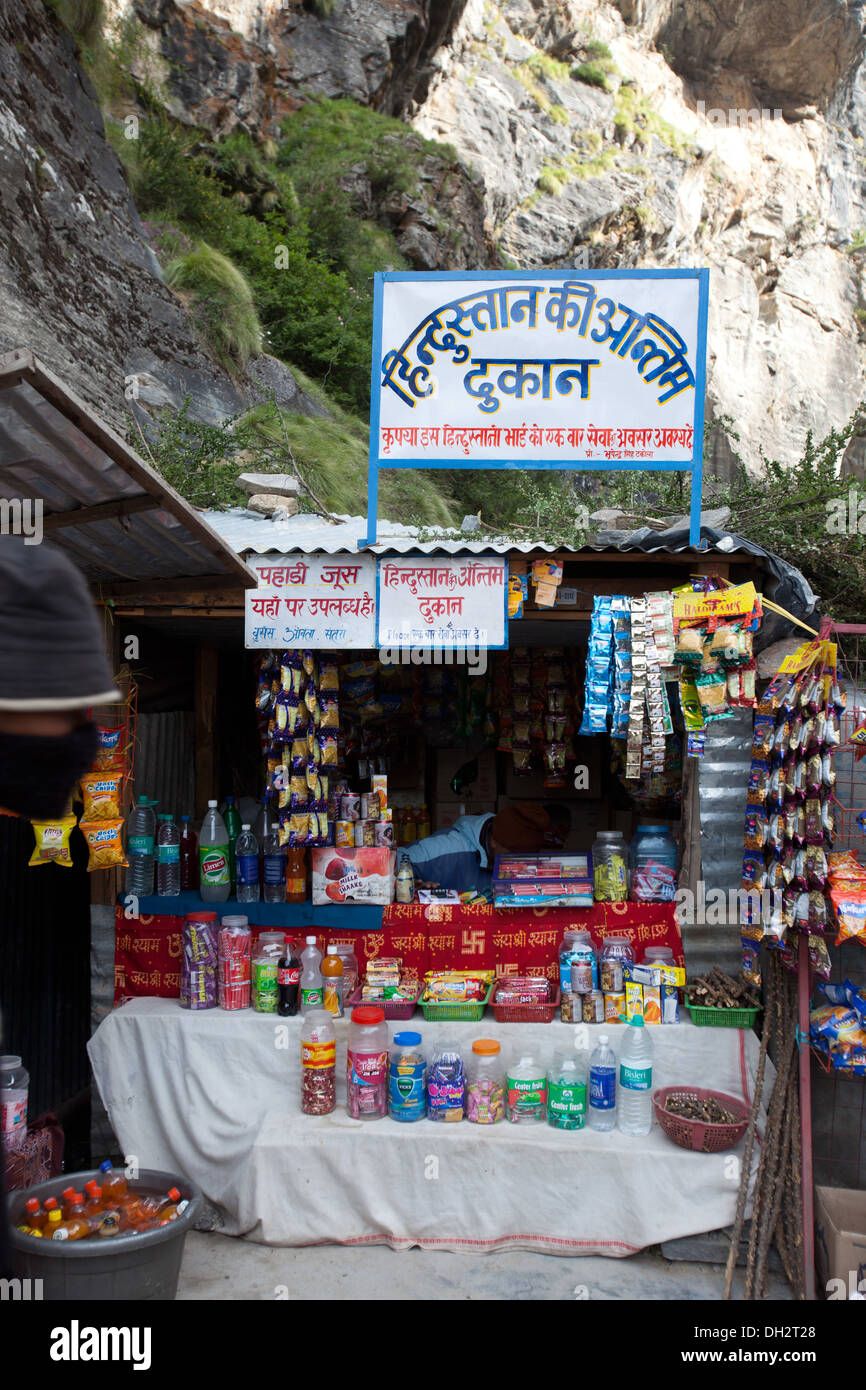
(541, 65)
(634, 113)
(85, 19)
(549, 182)
(222, 305)
(592, 74)
(323, 8)
(559, 114)
(595, 49)
(857, 242)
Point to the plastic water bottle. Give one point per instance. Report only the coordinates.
(312, 985)
(140, 836)
(274, 876)
(602, 1086)
(168, 857)
(213, 857)
(635, 1114)
(247, 864)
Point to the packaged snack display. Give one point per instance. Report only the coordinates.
(105, 843)
(52, 841)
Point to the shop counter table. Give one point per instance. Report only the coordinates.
(216, 1095)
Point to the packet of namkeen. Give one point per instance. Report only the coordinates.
(111, 748)
(52, 841)
(105, 843)
(102, 796)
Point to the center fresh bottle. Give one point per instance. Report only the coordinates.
(636, 1080)
(526, 1085)
(213, 857)
(602, 1086)
(566, 1091)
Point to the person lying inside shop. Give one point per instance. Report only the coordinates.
(462, 857)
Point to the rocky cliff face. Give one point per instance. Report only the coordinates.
(640, 132)
(732, 139)
(79, 283)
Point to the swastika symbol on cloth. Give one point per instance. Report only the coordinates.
(473, 942)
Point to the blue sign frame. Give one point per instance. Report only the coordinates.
(693, 465)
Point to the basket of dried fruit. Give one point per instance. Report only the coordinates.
(708, 1122)
(716, 1000)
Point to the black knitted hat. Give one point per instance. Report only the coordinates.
(52, 652)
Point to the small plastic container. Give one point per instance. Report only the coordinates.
(610, 867)
(407, 1079)
(318, 1063)
(351, 972)
(615, 953)
(485, 1083)
(265, 971)
(658, 955)
(446, 1085)
(653, 858)
(367, 1064)
(576, 948)
(526, 1082)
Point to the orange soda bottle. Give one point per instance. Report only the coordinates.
(36, 1218)
(76, 1226)
(55, 1218)
(94, 1205)
(113, 1182)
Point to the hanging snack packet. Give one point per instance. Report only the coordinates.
(712, 693)
(105, 843)
(110, 748)
(759, 781)
(102, 796)
(52, 841)
(750, 940)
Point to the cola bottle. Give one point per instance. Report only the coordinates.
(288, 982)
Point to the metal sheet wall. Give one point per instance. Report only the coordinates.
(165, 761)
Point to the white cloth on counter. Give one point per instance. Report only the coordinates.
(214, 1095)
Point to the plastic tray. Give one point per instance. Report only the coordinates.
(703, 1016)
(397, 1010)
(699, 1135)
(525, 1013)
(453, 1012)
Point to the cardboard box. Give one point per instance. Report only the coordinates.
(450, 760)
(840, 1241)
(353, 876)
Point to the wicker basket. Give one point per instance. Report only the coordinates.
(455, 1012)
(704, 1016)
(397, 1010)
(525, 1013)
(698, 1135)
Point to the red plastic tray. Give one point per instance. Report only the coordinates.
(525, 1013)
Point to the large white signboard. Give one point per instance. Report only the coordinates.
(438, 601)
(312, 601)
(517, 368)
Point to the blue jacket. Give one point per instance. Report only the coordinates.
(454, 858)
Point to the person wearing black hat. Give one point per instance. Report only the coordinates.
(53, 669)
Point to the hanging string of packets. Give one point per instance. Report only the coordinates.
(630, 641)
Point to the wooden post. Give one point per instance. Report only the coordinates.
(206, 669)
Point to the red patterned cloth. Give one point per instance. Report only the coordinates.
(508, 940)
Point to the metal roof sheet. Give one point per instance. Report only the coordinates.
(116, 517)
(250, 533)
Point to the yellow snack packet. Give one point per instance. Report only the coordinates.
(102, 796)
(105, 843)
(52, 841)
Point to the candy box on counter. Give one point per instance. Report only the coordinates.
(353, 876)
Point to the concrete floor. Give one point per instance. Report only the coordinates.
(224, 1267)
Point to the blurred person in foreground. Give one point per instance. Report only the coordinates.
(53, 669)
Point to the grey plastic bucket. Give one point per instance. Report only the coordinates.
(143, 1267)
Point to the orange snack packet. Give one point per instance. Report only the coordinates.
(105, 843)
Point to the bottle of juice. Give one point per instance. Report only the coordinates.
(76, 1226)
(296, 875)
(94, 1205)
(55, 1219)
(423, 824)
(113, 1183)
(332, 981)
(37, 1219)
(66, 1203)
(410, 828)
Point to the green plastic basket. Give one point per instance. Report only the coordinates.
(457, 1013)
(703, 1016)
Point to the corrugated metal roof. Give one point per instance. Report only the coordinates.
(250, 533)
(116, 517)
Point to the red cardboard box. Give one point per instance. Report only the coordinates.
(353, 876)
